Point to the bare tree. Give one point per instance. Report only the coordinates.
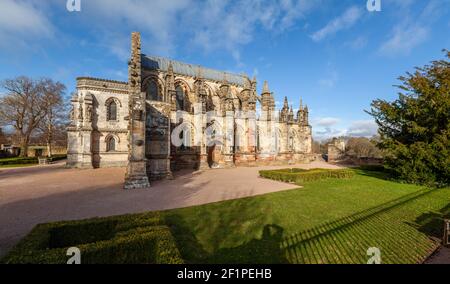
(3, 138)
(22, 108)
(56, 114)
(362, 147)
(30, 104)
(320, 147)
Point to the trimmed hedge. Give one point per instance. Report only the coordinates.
(28, 161)
(298, 176)
(128, 239)
(18, 161)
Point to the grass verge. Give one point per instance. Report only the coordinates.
(326, 221)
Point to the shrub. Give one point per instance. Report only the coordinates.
(28, 161)
(128, 239)
(18, 161)
(56, 158)
(301, 176)
(373, 168)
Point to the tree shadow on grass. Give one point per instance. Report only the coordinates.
(432, 223)
(384, 175)
(294, 243)
(264, 250)
(237, 231)
(264, 242)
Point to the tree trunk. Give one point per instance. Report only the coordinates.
(49, 141)
(49, 149)
(24, 147)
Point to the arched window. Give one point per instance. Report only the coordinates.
(258, 141)
(277, 144)
(112, 111)
(180, 98)
(152, 91)
(183, 139)
(111, 144)
(291, 142)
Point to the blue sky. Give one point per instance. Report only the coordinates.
(335, 54)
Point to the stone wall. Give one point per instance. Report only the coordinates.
(217, 112)
(90, 130)
(290, 143)
(336, 150)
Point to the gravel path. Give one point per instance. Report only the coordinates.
(40, 194)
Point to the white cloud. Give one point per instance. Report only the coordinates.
(327, 133)
(331, 76)
(362, 128)
(358, 43)
(326, 128)
(22, 22)
(207, 25)
(404, 39)
(411, 30)
(401, 4)
(325, 121)
(231, 24)
(157, 20)
(330, 81)
(295, 9)
(345, 21)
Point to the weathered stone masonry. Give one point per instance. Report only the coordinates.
(129, 124)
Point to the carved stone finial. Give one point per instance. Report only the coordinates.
(134, 72)
(247, 84)
(170, 81)
(286, 103)
(266, 88)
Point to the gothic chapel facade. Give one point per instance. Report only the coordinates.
(218, 117)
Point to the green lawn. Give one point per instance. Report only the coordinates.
(327, 221)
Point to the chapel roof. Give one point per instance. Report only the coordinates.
(161, 63)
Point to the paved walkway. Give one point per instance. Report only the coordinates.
(34, 195)
(442, 256)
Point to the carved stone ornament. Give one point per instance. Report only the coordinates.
(138, 105)
(80, 112)
(137, 115)
(89, 113)
(72, 114)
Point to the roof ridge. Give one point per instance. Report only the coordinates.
(190, 69)
(101, 80)
(196, 65)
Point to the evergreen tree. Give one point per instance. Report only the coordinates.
(415, 128)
